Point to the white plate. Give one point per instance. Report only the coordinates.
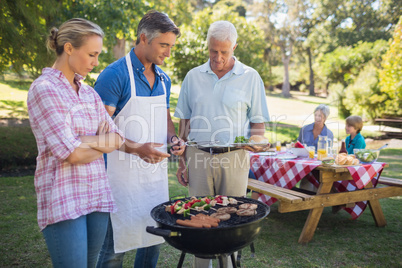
(267, 153)
(248, 144)
(287, 156)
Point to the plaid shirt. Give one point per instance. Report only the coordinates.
(58, 116)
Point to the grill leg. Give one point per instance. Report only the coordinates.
(220, 259)
(181, 260)
(252, 249)
(234, 263)
(238, 259)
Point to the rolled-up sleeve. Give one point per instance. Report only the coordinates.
(49, 116)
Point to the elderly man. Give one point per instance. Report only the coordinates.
(136, 93)
(218, 101)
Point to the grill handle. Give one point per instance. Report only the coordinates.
(161, 232)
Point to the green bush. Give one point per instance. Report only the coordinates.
(18, 147)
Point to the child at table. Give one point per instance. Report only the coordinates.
(355, 140)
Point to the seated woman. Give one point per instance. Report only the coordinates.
(355, 140)
(309, 134)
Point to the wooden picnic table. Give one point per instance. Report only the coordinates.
(336, 186)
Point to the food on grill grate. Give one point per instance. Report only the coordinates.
(246, 212)
(248, 206)
(228, 210)
(183, 207)
(199, 221)
(221, 216)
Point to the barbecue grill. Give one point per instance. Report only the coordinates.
(209, 243)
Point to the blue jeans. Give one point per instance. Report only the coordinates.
(76, 243)
(144, 258)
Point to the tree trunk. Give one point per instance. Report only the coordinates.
(310, 65)
(286, 84)
(119, 50)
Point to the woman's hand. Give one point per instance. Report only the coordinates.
(103, 128)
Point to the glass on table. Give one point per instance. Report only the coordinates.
(278, 146)
(288, 147)
(311, 151)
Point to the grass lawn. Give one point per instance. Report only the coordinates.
(338, 241)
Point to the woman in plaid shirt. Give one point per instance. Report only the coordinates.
(72, 131)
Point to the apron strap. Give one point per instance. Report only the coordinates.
(132, 81)
(131, 74)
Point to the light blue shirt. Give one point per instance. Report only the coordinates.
(222, 109)
(306, 135)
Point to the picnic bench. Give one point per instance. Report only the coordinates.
(291, 200)
(395, 122)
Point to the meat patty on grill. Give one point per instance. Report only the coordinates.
(221, 216)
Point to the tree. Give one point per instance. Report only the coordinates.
(355, 69)
(191, 49)
(24, 25)
(391, 75)
(22, 46)
(280, 21)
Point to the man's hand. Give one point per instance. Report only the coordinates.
(181, 173)
(149, 153)
(177, 146)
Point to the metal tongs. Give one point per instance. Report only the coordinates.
(201, 143)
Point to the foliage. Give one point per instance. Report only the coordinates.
(24, 25)
(18, 147)
(191, 49)
(361, 98)
(391, 76)
(32, 20)
(343, 66)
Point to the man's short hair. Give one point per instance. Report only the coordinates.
(222, 31)
(155, 23)
(355, 121)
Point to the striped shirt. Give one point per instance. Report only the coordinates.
(58, 116)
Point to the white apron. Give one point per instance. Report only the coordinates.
(138, 186)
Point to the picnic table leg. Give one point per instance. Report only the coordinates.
(376, 210)
(314, 215)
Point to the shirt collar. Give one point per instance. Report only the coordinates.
(59, 74)
(138, 66)
(237, 68)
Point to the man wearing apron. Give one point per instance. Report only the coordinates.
(136, 93)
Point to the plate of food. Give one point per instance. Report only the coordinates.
(255, 140)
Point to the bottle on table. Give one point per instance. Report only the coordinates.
(343, 148)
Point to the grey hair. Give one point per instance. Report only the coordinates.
(155, 23)
(324, 109)
(222, 31)
(74, 31)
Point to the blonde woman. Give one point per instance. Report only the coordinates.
(72, 131)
